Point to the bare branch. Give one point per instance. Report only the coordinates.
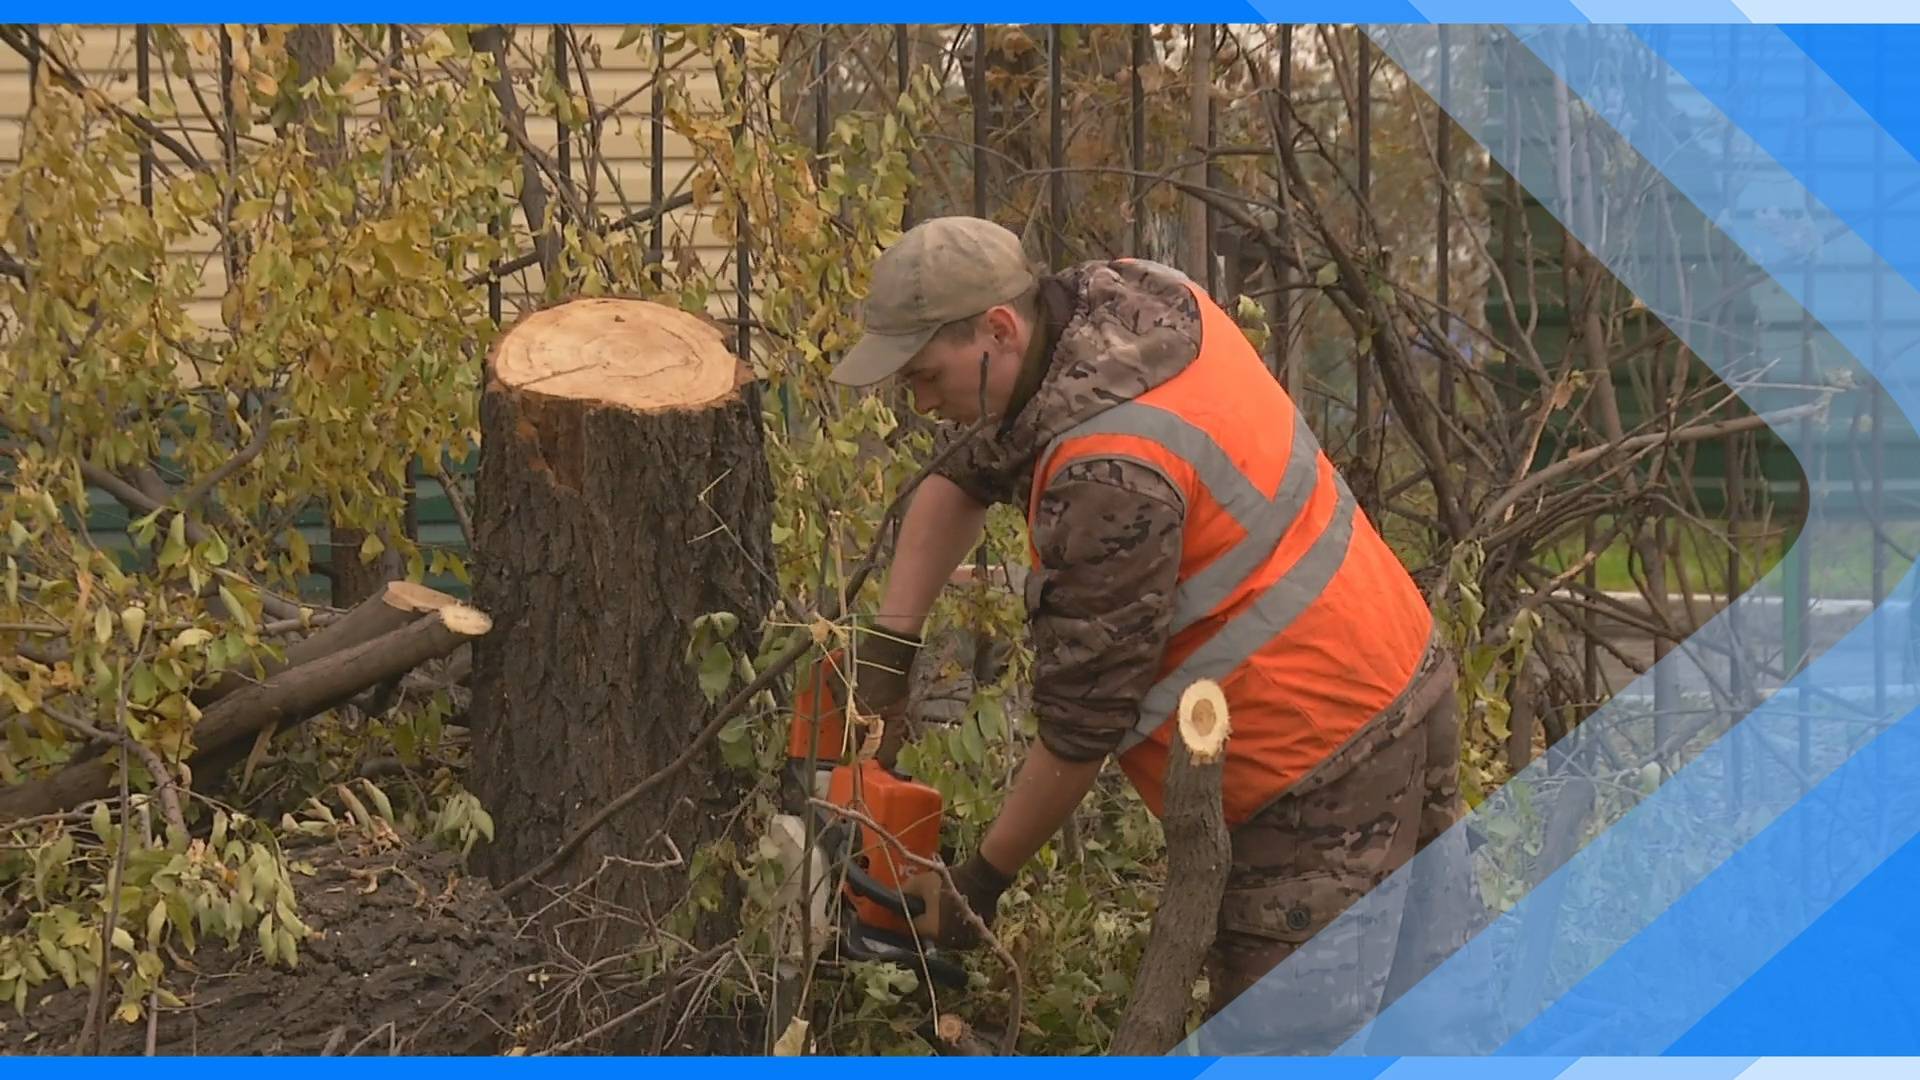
(262, 431)
(1575, 462)
(167, 784)
(29, 47)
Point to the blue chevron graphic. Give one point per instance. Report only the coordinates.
(1791, 787)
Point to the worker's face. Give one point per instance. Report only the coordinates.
(944, 377)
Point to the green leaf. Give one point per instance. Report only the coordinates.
(736, 748)
(175, 549)
(381, 805)
(297, 549)
(716, 671)
(973, 746)
(142, 686)
(239, 610)
(251, 210)
(156, 922)
(17, 694)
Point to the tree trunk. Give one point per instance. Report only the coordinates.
(1199, 854)
(623, 493)
(311, 49)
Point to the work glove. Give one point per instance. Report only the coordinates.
(880, 685)
(881, 670)
(977, 885)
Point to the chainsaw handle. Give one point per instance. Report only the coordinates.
(833, 839)
(892, 899)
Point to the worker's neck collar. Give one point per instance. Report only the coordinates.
(1054, 308)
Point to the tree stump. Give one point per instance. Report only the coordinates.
(623, 492)
(1199, 854)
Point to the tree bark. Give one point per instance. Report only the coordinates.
(622, 494)
(292, 695)
(1523, 708)
(1198, 856)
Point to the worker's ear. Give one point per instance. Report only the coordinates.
(1003, 324)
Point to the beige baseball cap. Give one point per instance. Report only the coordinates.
(941, 270)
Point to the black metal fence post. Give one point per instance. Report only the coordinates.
(1136, 104)
(1056, 158)
(657, 161)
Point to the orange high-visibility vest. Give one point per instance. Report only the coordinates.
(1287, 596)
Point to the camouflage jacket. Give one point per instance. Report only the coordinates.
(1108, 531)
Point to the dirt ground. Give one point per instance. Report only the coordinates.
(423, 964)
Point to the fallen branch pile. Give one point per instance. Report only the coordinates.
(379, 641)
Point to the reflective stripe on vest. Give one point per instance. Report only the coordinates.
(1264, 522)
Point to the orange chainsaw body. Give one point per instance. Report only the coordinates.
(909, 812)
(817, 707)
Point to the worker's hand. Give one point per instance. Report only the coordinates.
(883, 661)
(977, 885)
(880, 684)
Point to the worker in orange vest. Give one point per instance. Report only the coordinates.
(1184, 524)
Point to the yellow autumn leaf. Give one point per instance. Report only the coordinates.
(16, 694)
(134, 619)
(792, 1042)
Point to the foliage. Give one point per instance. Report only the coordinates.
(342, 351)
(345, 229)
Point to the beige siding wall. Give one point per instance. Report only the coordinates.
(105, 56)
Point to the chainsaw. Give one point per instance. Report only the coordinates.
(824, 761)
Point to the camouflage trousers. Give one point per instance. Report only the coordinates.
(1333, 838)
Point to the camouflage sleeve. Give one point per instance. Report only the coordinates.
(974, 468)
(1100, 602)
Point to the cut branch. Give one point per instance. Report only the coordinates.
(1198, 856)
(294, 695)
(396, 605)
